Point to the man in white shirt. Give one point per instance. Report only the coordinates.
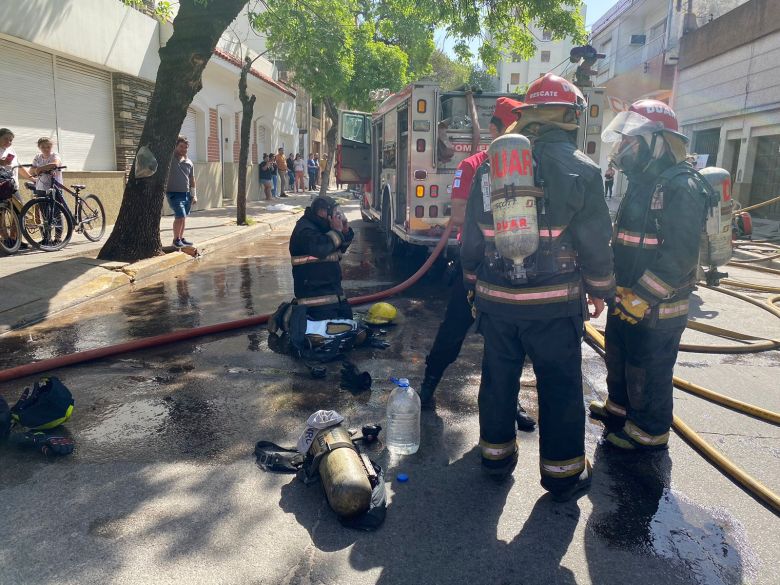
(9, 160)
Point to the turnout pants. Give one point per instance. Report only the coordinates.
(554, 347)
(640, 366)
(452, 330)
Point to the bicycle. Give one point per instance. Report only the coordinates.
(51, 218)
(10, 228)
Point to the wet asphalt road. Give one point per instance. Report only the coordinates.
(163, 487)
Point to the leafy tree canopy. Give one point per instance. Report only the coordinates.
(340, 50)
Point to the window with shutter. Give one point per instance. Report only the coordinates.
(27, 97)
(85, 117)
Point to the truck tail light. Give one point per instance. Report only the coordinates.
(421, 145)
(419, 211)
(422, 106)
(419, 191)
(434, 191)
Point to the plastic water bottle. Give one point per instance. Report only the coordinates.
(403, 419)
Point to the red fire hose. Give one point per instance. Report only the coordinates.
(149, 342)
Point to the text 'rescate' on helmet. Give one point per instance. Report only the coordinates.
(552, 90)
(381, 314)
(643, 118)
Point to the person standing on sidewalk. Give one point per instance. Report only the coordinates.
(266, 177)
(281, 166)
(181, 190)
(299, 166)
(609, 181)
(312, 167)
(540, 314)
(290, 173)
(457, 316)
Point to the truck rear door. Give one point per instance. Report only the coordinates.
(353, 156)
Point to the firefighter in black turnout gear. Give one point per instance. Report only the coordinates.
(535, 305)
(457, 316)
(317, 243)
(656, 246)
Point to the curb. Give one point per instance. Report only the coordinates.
(113, 276)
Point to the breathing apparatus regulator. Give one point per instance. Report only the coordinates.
(655, 131)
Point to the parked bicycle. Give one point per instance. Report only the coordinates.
(48, 223)
(10, 230)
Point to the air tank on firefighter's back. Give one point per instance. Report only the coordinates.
(715, 248)
(513, 202)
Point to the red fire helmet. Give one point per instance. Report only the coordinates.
(552, 90)
(643, 117)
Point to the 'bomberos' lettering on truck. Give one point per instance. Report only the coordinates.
(404, 156)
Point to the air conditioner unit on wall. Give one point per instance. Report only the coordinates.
(638, 39)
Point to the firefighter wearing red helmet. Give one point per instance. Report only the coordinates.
(535, 306)
(656, 247)
(457, 317)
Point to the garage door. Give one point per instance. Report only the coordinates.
(189, 131)
(85, 117)
(27, 98)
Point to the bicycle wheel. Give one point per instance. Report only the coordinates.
(47, 225)
(91, 218)
(10, 234)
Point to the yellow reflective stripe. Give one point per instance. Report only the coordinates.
(566, 468)
(600, 282)
(634, 238)
(654, 284)
(497, 451)
(566, 291)
(615, 408)
(298, 260)
(554, 232)
(469, 276)
(672, 310)
(644, 438)
(487, 231)
(314, 301)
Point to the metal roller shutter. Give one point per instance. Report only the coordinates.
(189, 131)
(27, 104)
(85, 117)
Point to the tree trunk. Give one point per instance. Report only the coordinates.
(330, 139)
(196, 30)
(248, 108)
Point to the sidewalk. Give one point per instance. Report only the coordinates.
(37, 284)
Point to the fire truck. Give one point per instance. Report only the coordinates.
(403, 157)
(405, 154)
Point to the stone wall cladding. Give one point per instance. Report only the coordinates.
(213, 141)
(131, 104)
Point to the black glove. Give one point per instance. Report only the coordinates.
(46, 444)
(354, 380)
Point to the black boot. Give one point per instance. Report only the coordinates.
(525, 422)
(428, 387)
(576, 488)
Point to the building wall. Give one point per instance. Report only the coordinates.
(109, 186)
(735, 91)
(105, 33)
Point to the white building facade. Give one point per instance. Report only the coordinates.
(727, 98)
(82, 72)
(515, 73)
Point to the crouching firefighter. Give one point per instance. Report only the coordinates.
(319, 313)
(537, 236)
(656, 247)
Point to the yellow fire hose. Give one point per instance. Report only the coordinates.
(770, 307)
(757, 205)
(754, 486)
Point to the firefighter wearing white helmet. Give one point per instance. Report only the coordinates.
(535, 263)
(656, 246)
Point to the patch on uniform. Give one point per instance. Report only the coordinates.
(657, 202)
(456, 183)
(458, 173)
(485, 192)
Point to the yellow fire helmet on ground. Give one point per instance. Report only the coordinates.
(381, 314)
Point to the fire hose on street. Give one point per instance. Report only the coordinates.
(593, 337)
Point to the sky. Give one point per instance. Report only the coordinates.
(595, 10)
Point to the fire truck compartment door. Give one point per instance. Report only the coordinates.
(354, 152)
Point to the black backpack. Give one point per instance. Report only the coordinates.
(46, 405)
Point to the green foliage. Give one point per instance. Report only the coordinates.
(449, 74)
(162, 10)
(479, 78)
(340, 50)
